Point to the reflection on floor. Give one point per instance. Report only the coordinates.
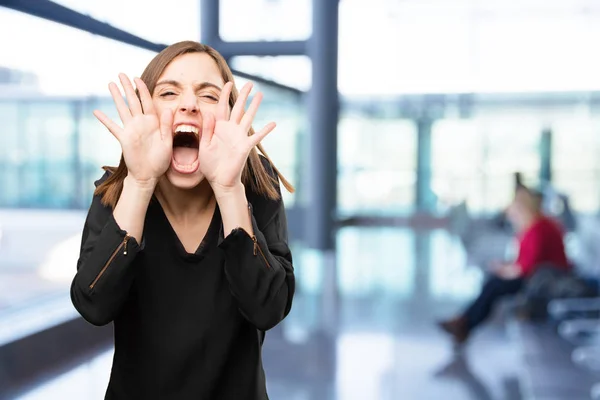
(376, 339)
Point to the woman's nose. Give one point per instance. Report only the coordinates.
(188, 104)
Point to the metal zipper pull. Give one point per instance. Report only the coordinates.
(255, 244)
(257, 249)
(125, 240)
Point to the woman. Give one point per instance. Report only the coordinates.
(185, 244)
(540, 244)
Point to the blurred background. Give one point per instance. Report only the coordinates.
(401, 123)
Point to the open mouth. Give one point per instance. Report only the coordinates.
(185, 149)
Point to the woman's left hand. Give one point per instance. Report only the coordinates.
(225, 142)
(508, 271)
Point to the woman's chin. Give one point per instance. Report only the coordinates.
(184, 181)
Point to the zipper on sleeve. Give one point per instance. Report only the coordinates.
(257, 250)
(123, 246)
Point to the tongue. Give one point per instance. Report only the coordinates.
(185, 155)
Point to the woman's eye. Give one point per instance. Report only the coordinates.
(210, 97)
(166, 94)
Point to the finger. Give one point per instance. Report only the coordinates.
(238, 109)
(132, 99)
(166, 126)
(122, 109)
(208, 128)
(112, 127)
(259, 136)
(223, 105)
(145, 96)
(248, 117)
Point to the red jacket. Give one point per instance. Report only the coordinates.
(541, 243)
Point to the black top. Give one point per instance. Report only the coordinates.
(186, 326)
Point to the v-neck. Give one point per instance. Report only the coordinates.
(210, 235)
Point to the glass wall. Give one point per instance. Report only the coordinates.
(475, 159)
(53, 148)
(62, 61)
(257, 20)
(576, 161)
(292, 71)
(487, 46)
(478, 143)
(376, 165)
(155, 21)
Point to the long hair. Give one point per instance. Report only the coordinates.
(254, 174)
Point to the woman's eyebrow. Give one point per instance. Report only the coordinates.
(199, 86)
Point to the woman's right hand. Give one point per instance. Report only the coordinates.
(146, 140)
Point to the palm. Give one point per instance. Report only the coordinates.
(143, 151)
(145, 139)
(225, 143)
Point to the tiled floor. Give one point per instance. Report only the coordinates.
(376, 339)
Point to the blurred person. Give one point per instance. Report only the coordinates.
(185, 243)
(540, 244)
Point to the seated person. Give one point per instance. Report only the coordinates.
(540, 243)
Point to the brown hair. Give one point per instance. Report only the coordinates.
(254, 174)
(529, 199)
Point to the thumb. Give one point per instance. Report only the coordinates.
(166, 125)
(208, 128)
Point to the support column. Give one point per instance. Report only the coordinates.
(424, 194)
(546, 156)
(323, 114)
(321, 158)
(209, 23)
(422, 249)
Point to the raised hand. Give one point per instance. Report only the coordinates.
(225, 143)
(146, 140)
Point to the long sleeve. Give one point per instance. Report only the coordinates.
(259, 268)
(105, 267)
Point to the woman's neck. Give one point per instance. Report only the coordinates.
(185, 204)
(530, 220)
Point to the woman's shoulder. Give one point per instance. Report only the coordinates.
(271, 172)
(107, 173)
(268, 166)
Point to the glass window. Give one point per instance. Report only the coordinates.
(97, 146)
(456, 162)
(10, 159)
(512, 144)
(475, 160)
(286, 109)
(377, 160)
(48, 95)
(292, 71)
(467, 46)
(269, 20)
(48, 153)
(575, 162)
(413, 63)
(150, 20)
(64, 61)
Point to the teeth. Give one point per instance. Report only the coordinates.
(186, 128)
